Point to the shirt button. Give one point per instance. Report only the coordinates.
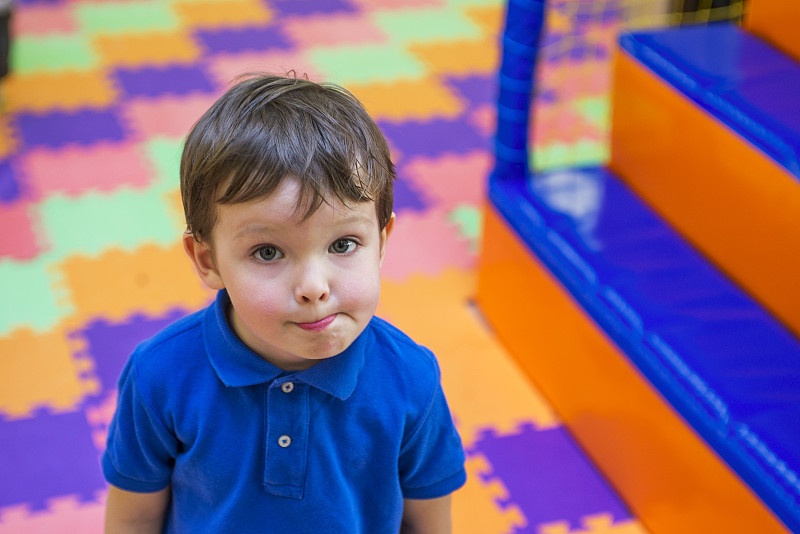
(284, 441)
(287, 387)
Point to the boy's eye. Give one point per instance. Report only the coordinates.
(342, 246)
(268, 253)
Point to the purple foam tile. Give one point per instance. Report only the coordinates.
(306, 7)
(156, 81)
(406, 198)
(48, 456)
(434, 137)
(242, 39)
(9, 184)
(548, 477)
(110, 344)
(477, 90)
(58, 128)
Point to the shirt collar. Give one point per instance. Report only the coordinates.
(238, 366)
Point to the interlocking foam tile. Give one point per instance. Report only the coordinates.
(41, 20)
(382, 4)
(434, 137)
(92, 223)
(165, 80)
(124, 17)
(9, 183)
(414, 100)
(29, 296)
(595, 109)
(18, 239)
(73, 171)
(307, 7)
(458, 57)
(241, 39)
(165, 116)
(47, 456)
(99, 415)
(595, 524)
(351, 64)
(225, 68)
(474, 508)
(563, 123)
(451, 179)
(223, 14)
(408, 197)
(484, 119)
(156, 48)
(63, 514)
(63, 90)
(331, 30)
(469, 219)
(474, 364)
(490, 18)
(558, 482)
(40, 370)
(426, 24)
(52, 53)
(117, 284)
(60, 128)
(477, 89)
(164, 155)
(443, 247)
(558, 154)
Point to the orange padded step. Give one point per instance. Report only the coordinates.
(777, 21)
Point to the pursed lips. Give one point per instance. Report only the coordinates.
(318, 325)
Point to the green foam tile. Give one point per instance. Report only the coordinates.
(29, 298)
(164, 154)
(360, 64)
(469, 220)
(52, 53)
(114, 17)
(92, 223)
(426, 24)
(560, 155)
(595, 109)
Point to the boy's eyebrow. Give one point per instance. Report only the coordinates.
(353, 217)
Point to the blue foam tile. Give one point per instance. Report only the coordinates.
(169, 80)
(476, 89)
(9, 184)
(434, 137)
(242, 39)
(307, 7)
(57, 128)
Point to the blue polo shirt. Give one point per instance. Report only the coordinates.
(248, 447)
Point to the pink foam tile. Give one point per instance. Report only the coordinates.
(18, 239)
(484, 119)
(63, 514)
(559, 123)
(43, 19)
(425, 243)
(322, 30)
(453, 179)
(168, 116)
(225, 68)
(73, 171)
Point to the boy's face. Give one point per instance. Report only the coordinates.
(302, 290)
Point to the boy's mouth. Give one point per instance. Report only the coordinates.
(318, 325)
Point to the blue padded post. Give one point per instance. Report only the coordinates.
(524, 22)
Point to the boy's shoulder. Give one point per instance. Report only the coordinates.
(401, 353)
(169, 345)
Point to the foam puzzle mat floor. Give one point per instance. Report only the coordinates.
(91, 125)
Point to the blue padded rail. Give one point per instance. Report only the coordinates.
(721, 360)
(738, 78)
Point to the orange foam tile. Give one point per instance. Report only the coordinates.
(332, 29)
(225, 68)
(76, 170)
(490, 18)
(436, 312)
(744, 208)
(170, 116)
(149, 280)
(459, 57)
(595, 524)
(663, 470)
(218, 14)
(42, 371)
(422, 99)
(18, 240)
(8, 140)
(451, 180)
(63, 514)
(43, 19)
(130, 50)
(67, 90)
(776, 21)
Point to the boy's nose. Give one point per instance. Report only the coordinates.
(312, 284)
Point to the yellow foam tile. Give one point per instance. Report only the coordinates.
(405, 100)
(458, 57)
(220, 14)
(150, 280)
(40, 371)
(145, 49)
(64, 90)
(483, 385)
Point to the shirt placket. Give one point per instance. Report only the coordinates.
(287, 415)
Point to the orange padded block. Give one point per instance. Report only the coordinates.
(663, 470)
(777, 21)
(727, 197)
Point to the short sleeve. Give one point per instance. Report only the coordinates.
(140, 450)
(431, 461)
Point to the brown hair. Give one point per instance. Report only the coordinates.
(266, 128)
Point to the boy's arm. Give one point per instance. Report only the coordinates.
(140, 513)
(428, 516)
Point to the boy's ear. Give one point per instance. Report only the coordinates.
(387, 230)
(203, 260)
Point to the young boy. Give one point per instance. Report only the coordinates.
(285, 406)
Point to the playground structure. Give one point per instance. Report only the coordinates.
(654, 299)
